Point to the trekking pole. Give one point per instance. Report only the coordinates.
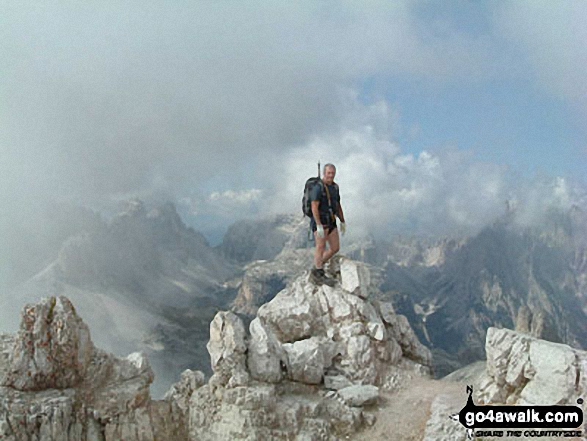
(318, 168)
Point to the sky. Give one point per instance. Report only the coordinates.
(435, 113)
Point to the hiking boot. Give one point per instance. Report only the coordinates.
(329, 281)
(318, 277)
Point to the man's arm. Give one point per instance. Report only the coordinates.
(340, 213)
(316, 212)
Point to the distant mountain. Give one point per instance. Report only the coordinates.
(143, 281)
(531, 280)
(453, 288)
(263, 239)
(34, 235)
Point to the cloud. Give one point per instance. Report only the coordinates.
(386, 191)
(102, 98)
(535, 199)
(183, 99)
(550, 36)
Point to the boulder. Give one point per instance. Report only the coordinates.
(308, 359)
(227, 348)
(359, 395)
(292, 314)
(355, 278)
(526, 370)
(266, 358)
(52, 350)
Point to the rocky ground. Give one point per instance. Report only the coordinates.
(403, 414)
(315, 363)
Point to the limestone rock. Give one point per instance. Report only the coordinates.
(227, 348)
(292, 313)
(358, 360)
(266, 357)
(439, 426)
(402, 332)
(526, 370)
(52, 350)
(308, 359)
(181, 392)
(76, 391)
(359, 395)
(336, 382)
(355, 278)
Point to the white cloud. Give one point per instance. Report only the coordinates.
(243, 197)
(227, 205)
(109, 100)
(105, 95)
(551, 37)
(385, 191)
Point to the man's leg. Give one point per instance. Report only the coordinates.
(333, 243)
(320, 245)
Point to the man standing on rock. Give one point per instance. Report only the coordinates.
(325, 203)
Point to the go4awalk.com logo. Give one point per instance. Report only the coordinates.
(520, 421)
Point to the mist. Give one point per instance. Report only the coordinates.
(224, 108)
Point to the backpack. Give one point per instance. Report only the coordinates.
(306, 203)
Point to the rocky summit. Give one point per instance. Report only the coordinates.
(311, 365)
(315, 363)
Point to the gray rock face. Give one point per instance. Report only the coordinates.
(227, 349)
(306, 340)
(53, 348)
(401, 331)
(270, 384)
(526, 370)
(355, 278)
(359, 395)
(336, 382)
(266, 356)
(180, 392)
(308, 359)
(57, 386)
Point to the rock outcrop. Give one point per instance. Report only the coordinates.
(53, 349)
(263, 279)
(55, 385)
(311, 367)
(520, 370)
(525, 370)
(317, 357)
(143, 281)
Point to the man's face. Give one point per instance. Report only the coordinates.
(329, 175)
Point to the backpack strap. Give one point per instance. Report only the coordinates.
(329, 202)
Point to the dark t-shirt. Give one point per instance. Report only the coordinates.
(318, 194)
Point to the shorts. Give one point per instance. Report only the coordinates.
(329, 225)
